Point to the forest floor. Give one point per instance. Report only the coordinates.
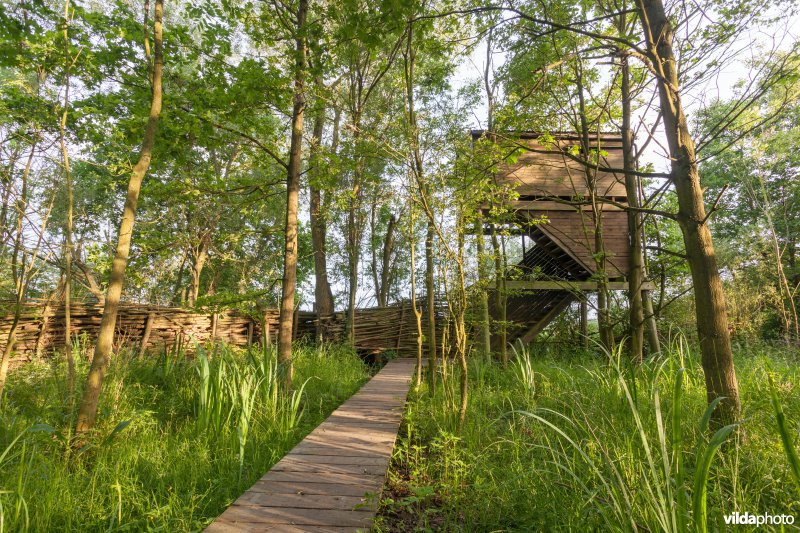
(572, 442)
(176, 442)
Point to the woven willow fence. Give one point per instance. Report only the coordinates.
(155, 328)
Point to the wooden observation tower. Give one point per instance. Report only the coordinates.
(554, 205)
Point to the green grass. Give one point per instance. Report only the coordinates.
(178, 439)
(576, 442)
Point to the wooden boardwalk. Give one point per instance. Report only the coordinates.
(332, 480)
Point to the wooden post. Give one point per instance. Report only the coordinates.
(250, 333)
(148, 328)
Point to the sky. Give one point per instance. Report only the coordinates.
(747, 45)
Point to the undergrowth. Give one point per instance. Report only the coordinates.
(565, 442)
(178, 438)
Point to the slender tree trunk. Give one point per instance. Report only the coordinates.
(430, 295)
(584, 322)
(636, 259)
(62, 127)
(386, 262)
(376, 282)
(500, 297)
(323, 296)
(353, 231)
(484, 331)
(105, 340)
(7, 186)
(712, 315)
(17, 270)
(460, 324)
(788, 307)
(424, 191)
(289, 286)
(651, 326)
(199, 256)
(604, 325)
(412, 244)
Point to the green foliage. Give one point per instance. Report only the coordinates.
(178, 447)
(595, 448)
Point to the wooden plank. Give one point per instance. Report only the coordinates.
(555, 285)
(296, 464)
(358, 480)
(337, 460)
(301, 487)
(331, 448)
(225, 527)
(304, 500)
(295, 516)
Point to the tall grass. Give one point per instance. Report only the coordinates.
(601, 445)
(182, 437)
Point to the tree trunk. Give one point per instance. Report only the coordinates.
(651, 327)
(354, 229)
(711, 313)
(500, 297)
(604, 325)
(424, 191)
(199, 257)
(17, 271)
(412, 245)
(584, 321)
(94, 381)
(289, 285)
(460, 324)
(430, 290)
(484, 331)
(376, 282)
(323, 297)
(386, 263)
(636, 260)
(68, 230)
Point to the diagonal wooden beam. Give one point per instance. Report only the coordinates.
(534, 330)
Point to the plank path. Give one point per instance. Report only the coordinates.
(332, 480)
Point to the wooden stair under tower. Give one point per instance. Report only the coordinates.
(551, 208)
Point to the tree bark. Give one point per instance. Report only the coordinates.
(584, 322)
(604, 325)
(17, 270)
(94, 381)
(62, 130)
(199, 255)
(636, 259)
(500, 297)
(386, 263)
(711, 313)
(424, 191)
(412, 244)
(484, 331)
(289, 285)
(323, 296)
(430, 295)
